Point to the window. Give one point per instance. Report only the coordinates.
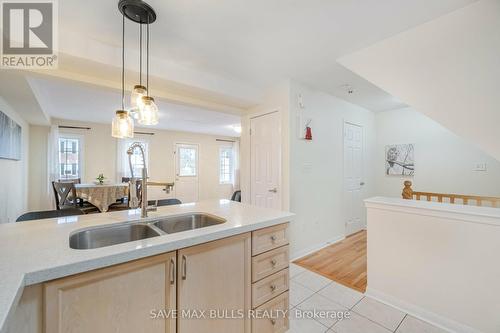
(187, 161)
(136, 159)
(69, 158)
(226, 169)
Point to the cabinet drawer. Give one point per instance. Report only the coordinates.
(269, 238)
(269, 287)
(268, 263)
(277, 308)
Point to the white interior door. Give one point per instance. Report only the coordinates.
(353, 178)
(265, 145)
(186, 172)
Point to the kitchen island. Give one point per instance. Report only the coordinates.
(38, 254)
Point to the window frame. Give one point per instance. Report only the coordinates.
(81, 144)
(231, 164)
(194, 146)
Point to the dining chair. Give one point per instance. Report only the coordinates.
(65, 195)
(236, 196)
(47, 214)
(71, 181)
(168, 202)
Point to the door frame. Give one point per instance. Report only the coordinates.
(363, 145)
(176, 159)
(280, 153)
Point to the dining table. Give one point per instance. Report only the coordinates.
(102, 195)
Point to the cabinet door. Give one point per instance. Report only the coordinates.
(215, 276)
(122, 298)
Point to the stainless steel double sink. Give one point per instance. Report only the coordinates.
(122, 233)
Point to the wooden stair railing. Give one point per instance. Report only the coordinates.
(409, 194)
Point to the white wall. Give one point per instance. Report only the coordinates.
(448, 69)
(312, 172)
(316, 167)
(444, 162)
(14, 183)
(436, 261)
(37, 195)
(100, 157)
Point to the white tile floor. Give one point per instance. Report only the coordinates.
(310, 291)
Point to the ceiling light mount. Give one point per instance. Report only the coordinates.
(348, 88)
(137, 11)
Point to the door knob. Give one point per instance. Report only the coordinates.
(274, 190)
(362, 183)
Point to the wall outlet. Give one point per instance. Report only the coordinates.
(479, 167)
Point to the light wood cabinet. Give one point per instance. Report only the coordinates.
(270, 238)
(269, 287)
(230, 276)
(28, 316)
(277, 322)
(215, 276)
(114, 299)
(270, 278)
(269, 263)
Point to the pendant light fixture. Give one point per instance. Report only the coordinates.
(143, 107)
(142, 104)
(148, 112)
(122, 125)
(139, 90)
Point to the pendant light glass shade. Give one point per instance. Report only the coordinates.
(123, 125)
(148, 113)
(138, 92)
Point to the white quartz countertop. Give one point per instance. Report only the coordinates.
(38, 251)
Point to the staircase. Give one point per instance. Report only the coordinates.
(447, 69)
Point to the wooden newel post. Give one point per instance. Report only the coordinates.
(407, 190)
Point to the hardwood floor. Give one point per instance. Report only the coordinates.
(343, 262)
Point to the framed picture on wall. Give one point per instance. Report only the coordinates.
(10, 138)
(400, 160)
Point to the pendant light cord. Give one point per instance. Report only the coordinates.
(147, 58)
(140, 53)
(123, 61)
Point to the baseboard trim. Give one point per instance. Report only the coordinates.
(302, 253)
(420, 313)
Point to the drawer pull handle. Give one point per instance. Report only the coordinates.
(273, 322)
(273, 238)
(172, 271)
(184, 267)
(273, 262)
(273, 287)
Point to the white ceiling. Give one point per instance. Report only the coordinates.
(73, 100)
(262, 41)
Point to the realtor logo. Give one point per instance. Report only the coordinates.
(29, 34)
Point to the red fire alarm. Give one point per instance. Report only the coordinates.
(308, 135)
